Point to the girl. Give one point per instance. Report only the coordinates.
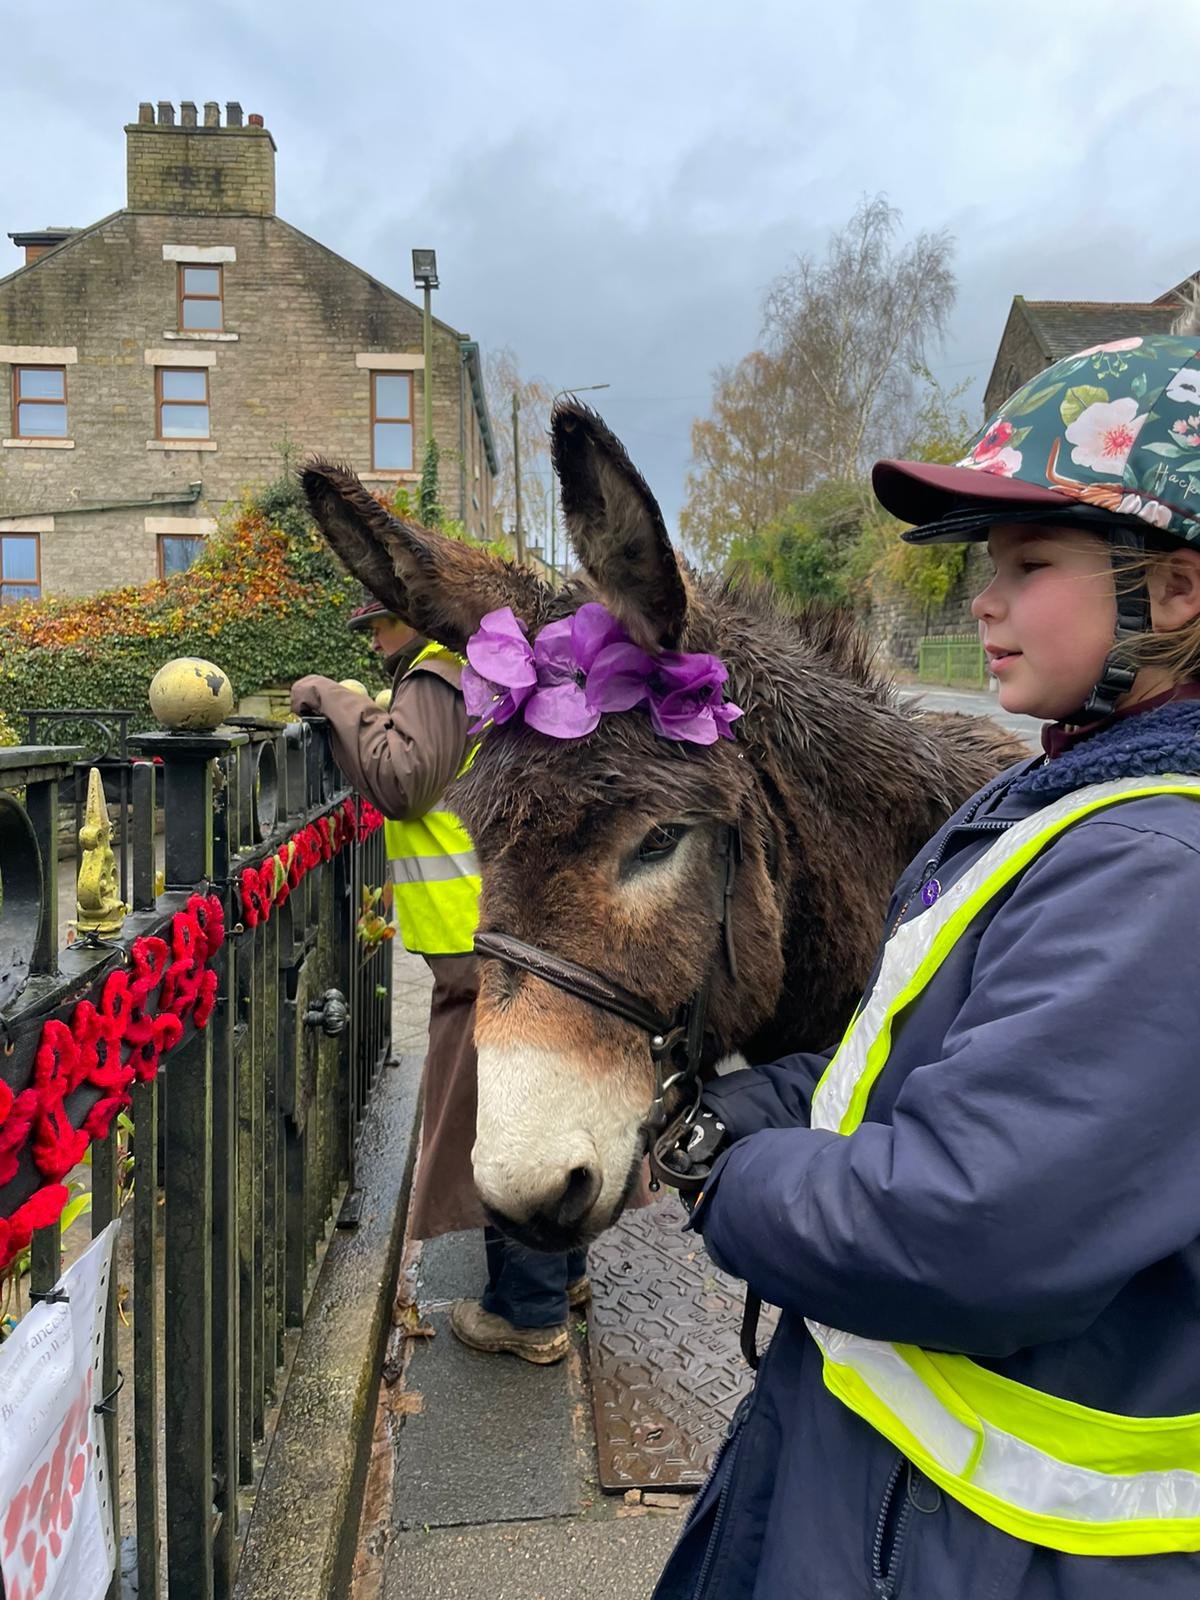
(981, 1214)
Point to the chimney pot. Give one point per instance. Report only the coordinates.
(233, 114)
(145, 111)
(254, 120)
(187, 113)
(212, 114)
(166, 114)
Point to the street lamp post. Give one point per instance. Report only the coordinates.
(425, 277)
(518, 531)
(583, 388)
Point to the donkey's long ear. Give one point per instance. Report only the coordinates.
(440, 586)
(617, 528)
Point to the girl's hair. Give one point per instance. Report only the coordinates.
(1176, 653)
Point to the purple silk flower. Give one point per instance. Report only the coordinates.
(586, 665)
(565, 653)
(500, 675)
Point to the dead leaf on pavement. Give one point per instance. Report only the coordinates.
(408, 1320)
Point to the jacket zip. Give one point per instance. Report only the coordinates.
(935, 861)
(881, 1585)
(727, 1467)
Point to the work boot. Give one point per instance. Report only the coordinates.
(484, 1330)
(579, 1292)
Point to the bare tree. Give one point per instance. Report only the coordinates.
(502, 379)
(852, 331)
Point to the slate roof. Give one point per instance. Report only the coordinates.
(1063, 326)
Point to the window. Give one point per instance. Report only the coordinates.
(40, 402)
(177, 552)
(182, 399)
(201, 308)
(391, 421)
(20, 567)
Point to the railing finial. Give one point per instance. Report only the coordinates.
(99, 910)
(190, 695)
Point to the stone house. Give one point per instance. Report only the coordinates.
(155, 363)
(1040, 332)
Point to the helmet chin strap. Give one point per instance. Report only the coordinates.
(1133, 617)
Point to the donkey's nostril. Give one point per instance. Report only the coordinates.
(578, 1196)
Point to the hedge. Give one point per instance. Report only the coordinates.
(266, 602)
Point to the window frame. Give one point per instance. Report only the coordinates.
(379, 372)
(160, 403)
(180, 296)
(21, 583)
(38, 400)
(161, 540)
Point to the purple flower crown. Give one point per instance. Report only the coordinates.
(585, 665)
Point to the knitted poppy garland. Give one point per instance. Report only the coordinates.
(268, 885)
(143, 1012)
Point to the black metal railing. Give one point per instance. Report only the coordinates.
(242, 1145)
(100, 739)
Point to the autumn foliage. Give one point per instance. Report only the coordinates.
(266, 602)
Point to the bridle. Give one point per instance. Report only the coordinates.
(676, 1042)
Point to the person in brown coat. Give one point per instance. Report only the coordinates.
(402, 758)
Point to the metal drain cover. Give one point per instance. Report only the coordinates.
(666, 1368)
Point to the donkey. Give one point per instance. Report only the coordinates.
(605, 850)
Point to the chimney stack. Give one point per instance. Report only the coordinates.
(206, 170)
(36, 242)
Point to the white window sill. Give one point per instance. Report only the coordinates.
(38, 444)
(391, 475)
(181, 444)
(224, 338)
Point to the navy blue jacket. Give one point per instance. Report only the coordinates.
(1025, 1190)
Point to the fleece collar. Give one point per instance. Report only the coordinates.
(1163, 740)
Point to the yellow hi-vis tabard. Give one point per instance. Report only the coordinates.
(435, 870)
(1043, 1469)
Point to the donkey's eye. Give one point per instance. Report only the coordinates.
(661, 841)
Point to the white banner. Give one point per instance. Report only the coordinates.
(55, 1525)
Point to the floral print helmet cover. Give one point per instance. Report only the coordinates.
(1115, 428)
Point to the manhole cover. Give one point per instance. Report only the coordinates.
(666, 1368)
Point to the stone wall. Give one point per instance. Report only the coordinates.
(1018, 358)
(291, 368)
(897, 626)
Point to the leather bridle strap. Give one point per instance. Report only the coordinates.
(583, 982)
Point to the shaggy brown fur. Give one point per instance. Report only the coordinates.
(835, 782)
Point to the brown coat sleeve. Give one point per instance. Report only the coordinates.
(401, 759)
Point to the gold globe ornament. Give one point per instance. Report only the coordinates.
(190, 695)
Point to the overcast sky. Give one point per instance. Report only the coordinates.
(610, 187)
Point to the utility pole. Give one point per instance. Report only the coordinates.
(552, 543)
(520, 536)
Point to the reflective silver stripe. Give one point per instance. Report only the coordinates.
(435, 869)
(1008, 1467)
(912, 941)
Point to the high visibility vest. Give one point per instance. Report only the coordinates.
(1043, 1469)
(435, 870)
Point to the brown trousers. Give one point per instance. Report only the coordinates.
(443, 1193)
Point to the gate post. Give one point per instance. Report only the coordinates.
(198, 1301)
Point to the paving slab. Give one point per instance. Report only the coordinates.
(614, 1558)
(453, 1267)
(494, 1439)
